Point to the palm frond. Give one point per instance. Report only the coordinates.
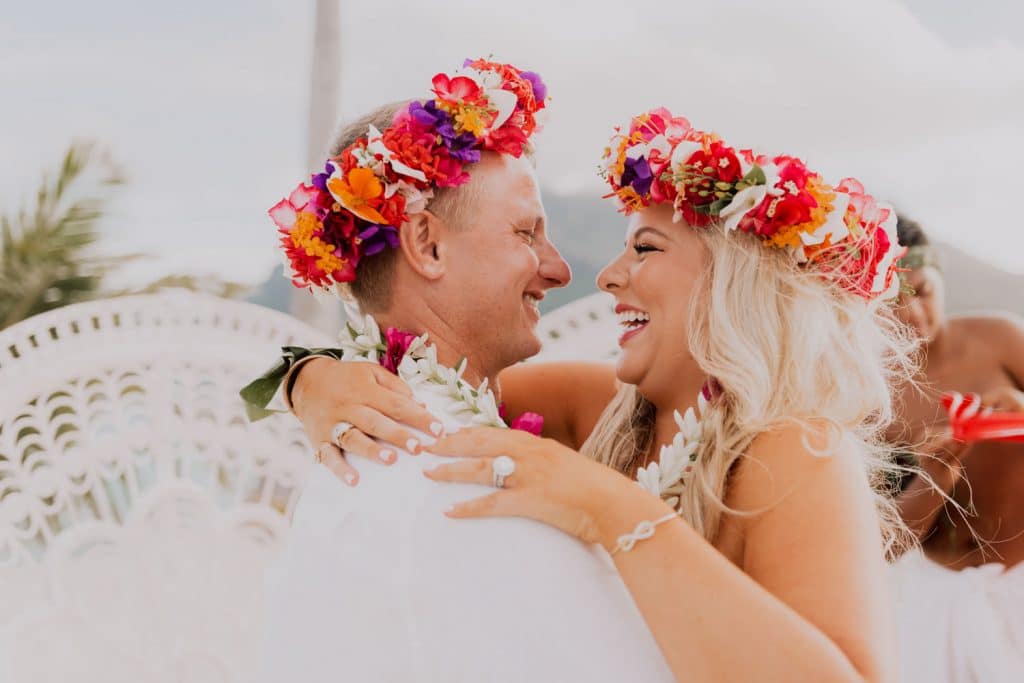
(46, 258)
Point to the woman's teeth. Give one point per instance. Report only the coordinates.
(633, 319)
(532, 301)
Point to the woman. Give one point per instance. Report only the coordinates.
(753, 547)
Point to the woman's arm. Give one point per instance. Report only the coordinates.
(571, 396)
(809, 599)
(327, 391)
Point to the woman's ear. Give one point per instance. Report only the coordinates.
(422, 241)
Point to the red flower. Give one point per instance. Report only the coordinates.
(717, 163)
(398, 343)
(693, 217)
(506, 140)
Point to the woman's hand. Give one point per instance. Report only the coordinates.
(375, 402)
(551, 483)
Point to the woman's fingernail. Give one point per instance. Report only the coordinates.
(412, 445)
(350, 479)
(436, 428)
(449, 510)
(387, 456)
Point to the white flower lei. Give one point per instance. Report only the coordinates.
(666, 476)
(361, 340)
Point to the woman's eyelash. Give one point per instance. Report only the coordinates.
(640, 247)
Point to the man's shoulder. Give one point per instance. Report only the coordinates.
(994, 322)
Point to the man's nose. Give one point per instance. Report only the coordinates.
(553, 268)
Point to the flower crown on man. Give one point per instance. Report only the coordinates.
(354, 208)
(840, 231)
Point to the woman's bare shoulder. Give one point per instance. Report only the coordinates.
(792, 458)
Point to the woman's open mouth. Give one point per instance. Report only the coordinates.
(633, 321)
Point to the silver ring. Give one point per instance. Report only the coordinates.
(502, 467)
(339, 431)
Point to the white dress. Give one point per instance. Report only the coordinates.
(376, 584)
(959, 626)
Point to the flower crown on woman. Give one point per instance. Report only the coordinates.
(840, 231)
(354, 208)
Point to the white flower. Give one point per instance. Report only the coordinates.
(649, 478)
(749, 199)
(644, 149)
(683, 151)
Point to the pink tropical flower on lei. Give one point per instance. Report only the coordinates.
(527, 422)
(398, 342)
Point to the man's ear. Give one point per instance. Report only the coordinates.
(422, 241)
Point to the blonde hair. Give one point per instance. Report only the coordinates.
(787, 346)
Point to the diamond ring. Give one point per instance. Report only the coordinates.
(339, 431)
(503, 466)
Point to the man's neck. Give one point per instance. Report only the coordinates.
(451, 348)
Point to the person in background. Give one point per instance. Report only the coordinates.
(962, 597)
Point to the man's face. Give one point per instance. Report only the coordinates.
(922, 308)
(500, 264)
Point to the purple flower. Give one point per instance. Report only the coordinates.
(376, 238)
(638, 174)
(430, 117)
(320, 179)
(461, 147)
(540, 91)
(398, 343)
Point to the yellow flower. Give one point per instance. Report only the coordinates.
(470, 120)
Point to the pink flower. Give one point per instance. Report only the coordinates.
(398, 343)
(456, 90)
(286, 212)
(529, 422)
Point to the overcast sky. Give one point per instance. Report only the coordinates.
(204, 104)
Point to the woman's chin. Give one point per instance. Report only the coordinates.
(629, 371)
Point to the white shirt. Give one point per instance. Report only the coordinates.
(377, 584)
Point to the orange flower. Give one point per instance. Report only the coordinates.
(356, 191)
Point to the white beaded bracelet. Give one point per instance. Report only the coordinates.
(642, 532)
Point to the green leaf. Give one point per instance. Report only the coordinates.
(717, 206)
(755, 176)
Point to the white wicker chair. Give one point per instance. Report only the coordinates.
(137, 504)
(585, 329)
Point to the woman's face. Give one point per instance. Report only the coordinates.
(653, 280)
(923, 308)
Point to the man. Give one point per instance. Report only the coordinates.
(377, 584)
(962, 618)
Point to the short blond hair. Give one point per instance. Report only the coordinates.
(372, 287)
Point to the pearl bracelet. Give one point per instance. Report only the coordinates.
(642, 532)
